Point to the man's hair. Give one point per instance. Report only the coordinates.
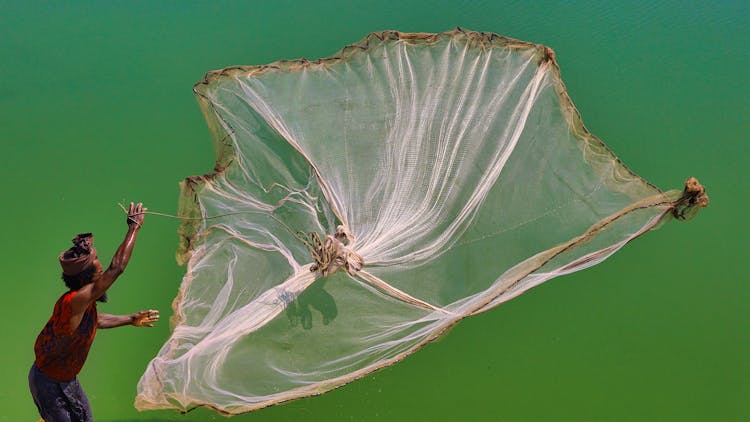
(76, 281)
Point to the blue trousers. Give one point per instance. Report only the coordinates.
(59, 401)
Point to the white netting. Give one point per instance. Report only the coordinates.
(456, 164)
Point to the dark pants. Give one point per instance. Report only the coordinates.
(59, 401)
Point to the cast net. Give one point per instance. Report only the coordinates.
(440, 174)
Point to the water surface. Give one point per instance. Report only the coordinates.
(96, 107)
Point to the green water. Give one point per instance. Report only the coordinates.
(96, 108)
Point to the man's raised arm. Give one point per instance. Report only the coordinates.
(91, 292)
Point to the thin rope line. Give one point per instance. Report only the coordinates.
(196, 218)
(296, 234)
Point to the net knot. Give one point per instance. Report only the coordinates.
(694, 197)
(332, 253)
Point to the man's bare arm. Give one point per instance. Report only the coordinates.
(138, 319)
(91, 292)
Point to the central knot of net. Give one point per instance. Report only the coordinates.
(332, 253)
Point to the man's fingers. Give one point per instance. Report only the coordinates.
(149, 316)
(136, 209)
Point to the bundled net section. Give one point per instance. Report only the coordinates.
(363, 203)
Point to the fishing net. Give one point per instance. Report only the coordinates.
(364, 203)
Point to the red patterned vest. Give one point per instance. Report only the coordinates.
(60, 355)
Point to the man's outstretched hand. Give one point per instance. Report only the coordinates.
(136, 213)
(145, 318)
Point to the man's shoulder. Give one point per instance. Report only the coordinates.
(65, 297)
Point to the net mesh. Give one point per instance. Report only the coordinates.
(440, 174)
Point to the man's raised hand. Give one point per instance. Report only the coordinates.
(136, 213)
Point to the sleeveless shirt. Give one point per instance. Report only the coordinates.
(60, 354)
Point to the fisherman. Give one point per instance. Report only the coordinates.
(63, 344)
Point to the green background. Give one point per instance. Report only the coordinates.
(96, 108)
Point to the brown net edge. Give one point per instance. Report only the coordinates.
(596, 152)
(473, 38)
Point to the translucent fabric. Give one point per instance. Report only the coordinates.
(443, 174)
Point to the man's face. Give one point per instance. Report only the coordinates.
(98, 273)
(98, 266)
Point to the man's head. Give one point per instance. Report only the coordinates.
(80, 264)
